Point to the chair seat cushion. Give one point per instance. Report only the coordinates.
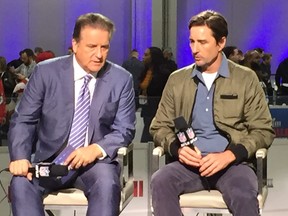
(212, 199)
(71, 196)
(76, 197)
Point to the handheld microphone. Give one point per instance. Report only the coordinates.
(187, 137)
(45, 170)
(49, 170)
(185, 134)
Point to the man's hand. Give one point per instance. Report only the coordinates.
(214, 162)
(20, 76)
(189, 156)
(83, 156)
(20, 168)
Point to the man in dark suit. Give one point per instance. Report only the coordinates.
(45, 115)
(135, 67)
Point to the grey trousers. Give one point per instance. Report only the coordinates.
(238, 184)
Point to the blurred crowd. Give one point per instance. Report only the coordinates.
(150, 74)
(14, 77)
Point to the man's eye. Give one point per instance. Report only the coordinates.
(105, 47)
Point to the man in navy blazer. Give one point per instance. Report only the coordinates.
(44, 115)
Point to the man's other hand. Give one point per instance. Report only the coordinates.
(214, 162)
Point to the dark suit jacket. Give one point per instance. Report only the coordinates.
(45, 112)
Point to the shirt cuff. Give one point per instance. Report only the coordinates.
(103, 152)
(239, 151)
(174, 147)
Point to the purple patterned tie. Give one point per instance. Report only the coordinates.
(81, 116)
(79, 125)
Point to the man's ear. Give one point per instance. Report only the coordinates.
(74, 45)
(222, 43)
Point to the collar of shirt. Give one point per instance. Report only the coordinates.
(223, 69)
(79, 74)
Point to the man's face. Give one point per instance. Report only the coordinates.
(235, 57)
(147, 57)
(204, 47)
(91, 50)
(25, 59)
(167, 55)
(256, 57)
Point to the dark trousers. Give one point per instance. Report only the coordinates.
(99, 182)
(238, 184)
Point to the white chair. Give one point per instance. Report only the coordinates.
(212, 202)
(75, 199)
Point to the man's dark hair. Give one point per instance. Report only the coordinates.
(29, 52)
(229, 50)
(95, 20)
(259, 49)
(213, 20)
(38, 50)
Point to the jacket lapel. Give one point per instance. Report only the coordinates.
(100, 95)
(67, 82)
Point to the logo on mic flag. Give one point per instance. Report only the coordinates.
(44, 171)
(182, 138)
(190, 133)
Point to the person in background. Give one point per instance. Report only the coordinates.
(135, 67)
(281, 77)
(232, 53)
(7, 79)
(152, 82)
(260, 51)
(168, 57)
(9, 83)
(28, 65)
(241, 57)
(15, 63)
(225, 106)
(2, 110)
(83, 92)
(70, 50)
(3, 67)
(253, 61)
(38, 50)
(48, 54)
(265, 66)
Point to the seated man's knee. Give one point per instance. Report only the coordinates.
(104, 186)
(160, 180)
(21, 185)
(243, 197)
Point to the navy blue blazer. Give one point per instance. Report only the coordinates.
(45, 112)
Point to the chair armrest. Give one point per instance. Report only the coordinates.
(261, 157)
(158, 151)
(261, 153)
(156, 154)
(125, 159)
(125, 150)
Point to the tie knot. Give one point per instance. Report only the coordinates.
(87, 78)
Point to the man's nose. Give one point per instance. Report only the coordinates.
(194, 48)
(98, 52)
